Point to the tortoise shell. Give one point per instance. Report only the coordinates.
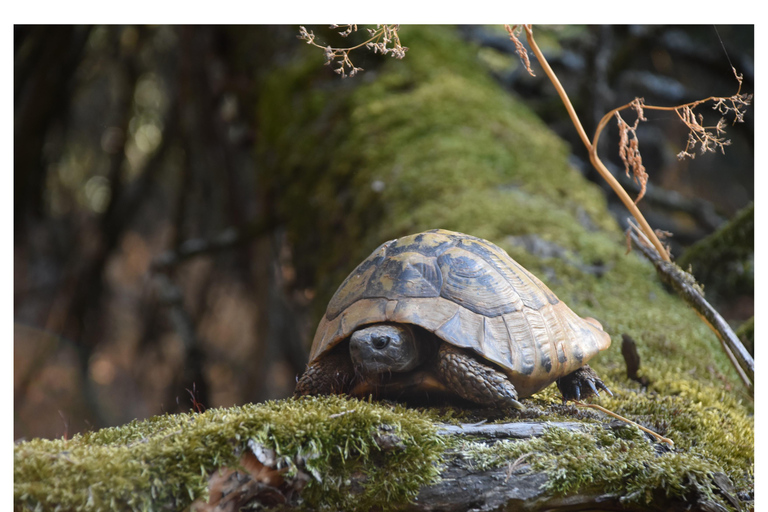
(472, 294)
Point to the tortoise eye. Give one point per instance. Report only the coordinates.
(380, 342)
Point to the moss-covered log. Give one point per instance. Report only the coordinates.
(433, 142)
(335, 453)
(726, 254)
(165, 463)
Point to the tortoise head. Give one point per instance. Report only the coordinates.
(385, 348)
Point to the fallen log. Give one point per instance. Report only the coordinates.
(463, 486)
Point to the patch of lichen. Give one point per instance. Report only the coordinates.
(432, 142)
(164, 462)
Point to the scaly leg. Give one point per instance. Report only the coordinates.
(330, 375)
(473, 380)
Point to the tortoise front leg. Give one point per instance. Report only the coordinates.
(472, 380)
(332, 374)
(581, 383)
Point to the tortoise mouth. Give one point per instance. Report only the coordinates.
(369, 360)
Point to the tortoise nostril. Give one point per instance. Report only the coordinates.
(380, 342)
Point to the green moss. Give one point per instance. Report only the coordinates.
(432, 131)
(746, 333)
(165, 461)
(621, 461)
(701, 421)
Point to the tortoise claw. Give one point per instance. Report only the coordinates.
(602, 386)
(581, 383)
(591, 385)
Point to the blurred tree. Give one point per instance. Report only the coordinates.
(130, 141)
(46, 61)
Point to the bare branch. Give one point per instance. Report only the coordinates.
(691, 292)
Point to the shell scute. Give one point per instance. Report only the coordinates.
(388, 275)
(474, 284)
(519, 334)
(353, 288)
(408, 274)
(532, 291)
(463, 329)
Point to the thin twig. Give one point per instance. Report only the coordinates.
(626, 420)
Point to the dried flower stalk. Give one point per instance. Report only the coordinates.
(707, 138)
(592, 146)
(514, 32)
(383, 39)
(629, 148)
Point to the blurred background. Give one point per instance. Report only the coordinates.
(152, 273)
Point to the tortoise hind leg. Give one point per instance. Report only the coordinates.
(472, 380)
(581, 383)
(330, 375)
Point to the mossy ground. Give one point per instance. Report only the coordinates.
(164, 463)
(433, 142)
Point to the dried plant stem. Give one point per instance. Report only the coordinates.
(708, 139)
(592, 147)
(660, 438)
(745, 378)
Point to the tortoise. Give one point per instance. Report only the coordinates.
(444, 313)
